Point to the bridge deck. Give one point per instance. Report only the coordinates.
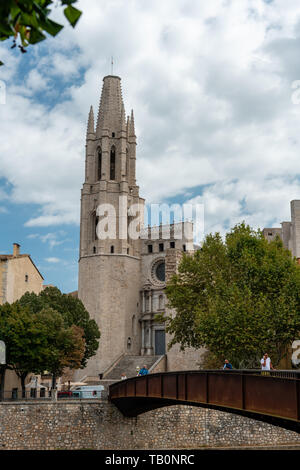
(268, 396)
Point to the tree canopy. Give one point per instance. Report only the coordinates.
(40, 341)
(27, 21)
(72, 312)
(239, 298)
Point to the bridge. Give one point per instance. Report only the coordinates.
(273, 397)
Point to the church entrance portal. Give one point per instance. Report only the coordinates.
(160, 348)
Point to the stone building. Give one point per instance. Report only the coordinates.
(18, 274)
(122, 265)
(289, 232)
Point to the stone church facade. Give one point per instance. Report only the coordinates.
(122, 278)
(289, 232)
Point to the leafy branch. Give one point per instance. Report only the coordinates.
(27, 21)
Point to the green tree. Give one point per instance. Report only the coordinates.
(71, 310)
(238, 298)
(27, 21)
(65, 344)
(38, 341)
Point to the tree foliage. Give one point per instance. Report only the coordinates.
(72, 312)
(238, 298)
(27, 21)
(38, 341)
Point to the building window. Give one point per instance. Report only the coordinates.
(94, 249)
(184, 247)
(128, 251)
(99, 164)
(113, 163)
(95, 221)
(172, 244)
(112, 249)
(161, 247)
(26, 277)
(113, 134)
(150, 249)
(160, 271)
(270, 234)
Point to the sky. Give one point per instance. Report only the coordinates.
(215, 88)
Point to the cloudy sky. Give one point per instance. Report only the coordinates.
(214, 87)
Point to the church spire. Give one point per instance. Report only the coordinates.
(131, 125)
(90, 134)
(111, 104)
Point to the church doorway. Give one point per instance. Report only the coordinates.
(160, 344)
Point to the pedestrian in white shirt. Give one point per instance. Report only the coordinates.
(266, 363)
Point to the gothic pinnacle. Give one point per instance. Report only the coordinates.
(131, 126)
(91, 125)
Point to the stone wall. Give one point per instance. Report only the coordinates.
(99, 425)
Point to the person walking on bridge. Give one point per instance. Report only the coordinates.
(266, 363)
(144, 370)
(227, 365)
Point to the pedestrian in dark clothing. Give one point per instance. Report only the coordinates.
(227, 365)
(143, 370)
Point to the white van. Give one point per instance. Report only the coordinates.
(87, 391)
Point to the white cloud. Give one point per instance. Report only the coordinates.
(210, 83)
(52, 260)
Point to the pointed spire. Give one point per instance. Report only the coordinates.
(111, 104)
(91, 125)
(131, 125)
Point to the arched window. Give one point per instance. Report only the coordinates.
(96, 223)
(99, 165)
(127, 164)
(133, 325)
(113, 163)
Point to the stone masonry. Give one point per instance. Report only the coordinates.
(98, 425)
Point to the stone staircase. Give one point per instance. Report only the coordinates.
(128, 365)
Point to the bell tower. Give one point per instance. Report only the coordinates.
(109, 261)
(110, 181)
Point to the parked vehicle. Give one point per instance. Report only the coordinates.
(88, 391)
(65, 394)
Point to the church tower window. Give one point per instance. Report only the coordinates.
(127, 163)
(113, 163)
(99, 164)
(96, 220)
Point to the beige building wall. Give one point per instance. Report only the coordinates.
(22, 277)
(18, 275)
(109, 288)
